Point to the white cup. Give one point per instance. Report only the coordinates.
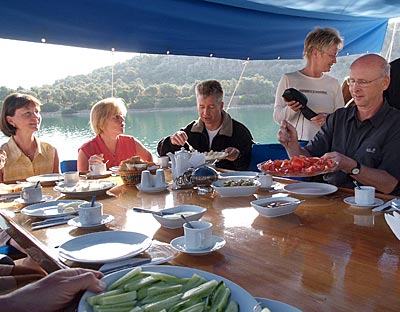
(200, 237)
(32, 194)
(98, 169)
(71, 177)
(364, 195)
(160, 178)
(89, 215)
(265, 179)
(145, 179)
(163, 161)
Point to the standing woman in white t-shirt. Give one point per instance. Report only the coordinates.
(324, 94)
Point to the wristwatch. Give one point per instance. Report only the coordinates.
(356, 169)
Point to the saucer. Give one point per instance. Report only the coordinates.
(179, 245)
(351, 201)
(23, 202)
(152, 189)
(104, 220)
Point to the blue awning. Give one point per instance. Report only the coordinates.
(237, 29)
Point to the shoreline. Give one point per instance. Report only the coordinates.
(152, 110)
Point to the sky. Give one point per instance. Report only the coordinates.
(29, 64)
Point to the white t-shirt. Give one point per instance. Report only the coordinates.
(324, 96)
(212, 134)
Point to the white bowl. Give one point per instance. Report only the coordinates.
(289, 206)
(235, 191)
(174, 221)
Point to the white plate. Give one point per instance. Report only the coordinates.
(277, 306)
(44, 198)
(114, 169)
(151, 189)
(310, 189)
(103, 247)
(77, 223)
(50, 177)
(80, 189)
(394, 223)
(239, 294)
(247, 174)
(179, 245)
(48, 209)
(351, 201)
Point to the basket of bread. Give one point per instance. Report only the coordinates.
(130, 170)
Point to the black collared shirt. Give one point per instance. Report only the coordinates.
(374, 143)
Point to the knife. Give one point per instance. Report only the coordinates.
(386, 206)
(131, 263)
(51, 220)
(49, 224)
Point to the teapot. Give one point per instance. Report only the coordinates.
(179, 162)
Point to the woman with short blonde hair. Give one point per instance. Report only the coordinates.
(110, 145)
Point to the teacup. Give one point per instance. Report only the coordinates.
(98, 169)
(364, 195)
(71, 177)
(32, 194)
(199, 237)
(163, 161)
(90, 215)
(265, 180)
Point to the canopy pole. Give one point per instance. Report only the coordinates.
(390, 49)
(237, 85)
(112, 72)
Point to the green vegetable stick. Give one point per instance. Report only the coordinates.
(94, 299)
(163, 304)
(124, 297)
(125, 278)
(202, 290)
(199, 307)
(233, 307)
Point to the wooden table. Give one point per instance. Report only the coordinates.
(327, 256)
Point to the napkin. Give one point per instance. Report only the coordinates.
(394, 223)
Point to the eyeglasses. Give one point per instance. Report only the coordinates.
(362, 83)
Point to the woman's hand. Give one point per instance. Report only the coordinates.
(96, 159)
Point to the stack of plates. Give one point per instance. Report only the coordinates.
(103, 247)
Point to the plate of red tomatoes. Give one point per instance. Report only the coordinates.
(298, 166)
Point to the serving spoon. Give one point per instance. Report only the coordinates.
(158, 213)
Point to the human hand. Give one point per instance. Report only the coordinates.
(96, 159)
(233, 153)
(319, 120)
(3, 157)
(287, 134)
(344, 162)
(294, 105)
(179, 138)
(55, 292)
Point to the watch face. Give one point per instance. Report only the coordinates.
(355, 171)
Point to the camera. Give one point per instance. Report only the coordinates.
(293, 94)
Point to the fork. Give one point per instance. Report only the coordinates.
(191, 148)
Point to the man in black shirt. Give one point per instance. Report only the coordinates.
(365, 139)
